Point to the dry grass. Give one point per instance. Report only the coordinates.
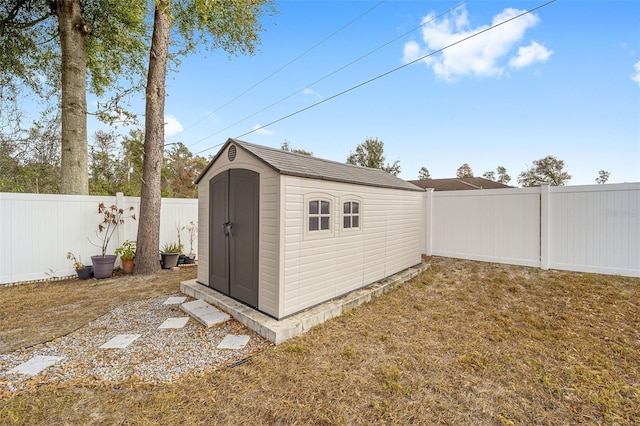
(465, 343)
(38, 312)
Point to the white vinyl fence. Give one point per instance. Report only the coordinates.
(594, 228)
(37, 231)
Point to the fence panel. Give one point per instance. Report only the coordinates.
(500, 225)
(595, 228)
(37, 231)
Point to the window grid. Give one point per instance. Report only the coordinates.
(351, 215)
(319, 215)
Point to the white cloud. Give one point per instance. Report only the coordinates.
(262, 131)
(528, 55)
(481, 55)
(636, 75)
(310, 92)
(172, 126)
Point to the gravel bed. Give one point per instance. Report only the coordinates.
(159, 355)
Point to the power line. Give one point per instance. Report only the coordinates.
(331, 73)
(285, 65)
(392, 70)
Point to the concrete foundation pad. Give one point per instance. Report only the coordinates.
(35, 365)
(277, 331)
(204, 313)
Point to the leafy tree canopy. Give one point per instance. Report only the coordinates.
(501, 171)
(424, 174)
(116, 43)
(370, 154)
(545, 170)
(464, 171)
(603, 177)
(287, 147)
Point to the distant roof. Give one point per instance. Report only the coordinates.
(293, 164)
(457, 184)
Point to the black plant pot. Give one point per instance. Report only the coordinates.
(86, 273)
(169, 260)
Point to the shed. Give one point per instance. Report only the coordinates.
(282, 232)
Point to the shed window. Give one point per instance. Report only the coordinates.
(319, 215)
(351, 214)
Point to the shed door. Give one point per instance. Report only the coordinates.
(233, 233)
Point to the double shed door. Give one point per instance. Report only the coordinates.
(233, 234)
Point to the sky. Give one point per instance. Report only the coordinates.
(563, 80)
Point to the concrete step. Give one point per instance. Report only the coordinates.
(204, 313)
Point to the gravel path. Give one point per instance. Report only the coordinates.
(159, 355)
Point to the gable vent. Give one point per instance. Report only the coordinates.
(231, 154)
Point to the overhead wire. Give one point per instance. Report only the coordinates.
(421, 58)
(332, 73)
(286, 65)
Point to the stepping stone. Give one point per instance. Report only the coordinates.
(174, 322)
(174, 300)
(204, 313)
(35, 365)
(233, 341)
(120, 341)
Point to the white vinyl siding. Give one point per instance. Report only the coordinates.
(316, 270)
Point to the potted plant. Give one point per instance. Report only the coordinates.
(112, 217)
(84, 272)
(170, 253)
(127, 252)
(192, 229)
(181, 256)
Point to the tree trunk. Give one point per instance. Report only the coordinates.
(148, 240)
(73, 32)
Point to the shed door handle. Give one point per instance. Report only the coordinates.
(228, 229)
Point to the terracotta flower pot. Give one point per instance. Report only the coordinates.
(127, 266)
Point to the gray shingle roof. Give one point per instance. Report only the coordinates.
(455, 184)
(292, 164)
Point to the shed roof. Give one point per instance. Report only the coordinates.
(293, 164)
(456, 184)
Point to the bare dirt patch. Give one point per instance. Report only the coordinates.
(464, 343)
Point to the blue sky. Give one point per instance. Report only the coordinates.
(563, 81)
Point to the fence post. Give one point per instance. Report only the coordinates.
(427, 231)
(545, 217)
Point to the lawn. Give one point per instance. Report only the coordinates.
(464, 343)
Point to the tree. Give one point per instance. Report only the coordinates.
(30, 159)
(287, 147)
(230, 25)
(503, 177)
(464, 171)
(133, 150)
(491, 175)
(371, 154)
(546, 170)
(55, 43)
(106, 169)
(603, 177)
(424, 174)
(181, 168)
